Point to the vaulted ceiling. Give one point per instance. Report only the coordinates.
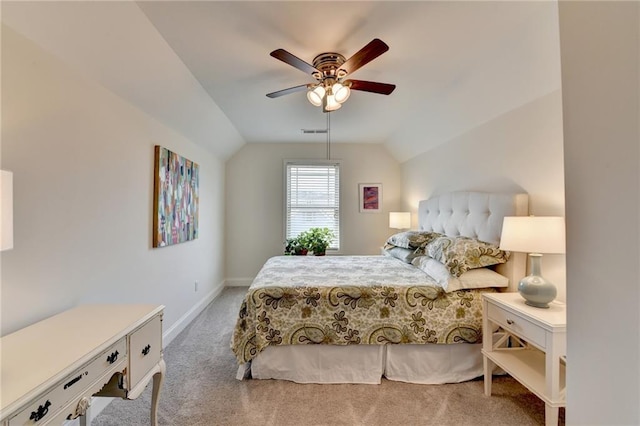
(203, 67)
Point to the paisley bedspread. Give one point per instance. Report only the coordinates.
(348, 300)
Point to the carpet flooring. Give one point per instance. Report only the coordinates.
(201, 389)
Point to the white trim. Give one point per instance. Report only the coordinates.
(189, 316)
(238, 282)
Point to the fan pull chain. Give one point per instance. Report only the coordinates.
(328, 135)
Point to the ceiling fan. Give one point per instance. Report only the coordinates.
(330, 70)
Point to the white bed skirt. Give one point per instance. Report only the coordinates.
(367, 364)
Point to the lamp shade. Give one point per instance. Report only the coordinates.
(400, 220)
(6, 210)
(330, 103)
(316, 95)
(533, 234)
(341, 92)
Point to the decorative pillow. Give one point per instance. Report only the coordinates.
(412, 239)
(460, 254)
(474, 278)
(404, 254)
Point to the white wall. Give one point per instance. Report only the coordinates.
(600, 49)
(82, 160)
(255, 201)
(520, 151)
(515, 69)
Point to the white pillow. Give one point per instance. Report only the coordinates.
(473, 278)
(404, 254)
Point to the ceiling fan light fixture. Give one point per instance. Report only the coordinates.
(316, 95)
(340, 92)
(329, 70)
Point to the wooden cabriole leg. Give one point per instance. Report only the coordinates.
(158, 380)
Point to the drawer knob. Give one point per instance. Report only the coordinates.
(113, 357)
(41, 412)
(146, 349)
(510, 321)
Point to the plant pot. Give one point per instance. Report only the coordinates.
(302, 252)
(320, 253)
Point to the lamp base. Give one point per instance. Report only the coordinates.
(537, 291)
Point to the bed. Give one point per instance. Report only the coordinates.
(399, 315)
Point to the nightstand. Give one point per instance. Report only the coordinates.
(528, 343)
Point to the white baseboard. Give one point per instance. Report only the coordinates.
(100, 403)
(189, 316)
(238, 282)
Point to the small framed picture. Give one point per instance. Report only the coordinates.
(370, 197)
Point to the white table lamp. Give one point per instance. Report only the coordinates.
(6, 210)
(400, 220)
(534, 235)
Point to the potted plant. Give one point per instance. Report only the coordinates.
(317, 240)
(294, 246)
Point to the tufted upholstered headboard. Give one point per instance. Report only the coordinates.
(476, 215)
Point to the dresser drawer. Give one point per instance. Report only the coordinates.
(517, 325)
(45, 407)
(67, 413)
(145, 350)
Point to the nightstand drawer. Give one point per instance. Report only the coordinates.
(45, 407)
(517, 325)
(146, 349)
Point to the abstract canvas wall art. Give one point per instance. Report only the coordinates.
(175, 198)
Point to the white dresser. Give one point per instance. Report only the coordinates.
(50, 370)
(530, 344)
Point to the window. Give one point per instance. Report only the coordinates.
(313, 198)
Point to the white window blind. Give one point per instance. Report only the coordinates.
(313, 198)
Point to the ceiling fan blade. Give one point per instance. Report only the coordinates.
(294, 61)
(287, 91)
(371, 86)
(375, 48)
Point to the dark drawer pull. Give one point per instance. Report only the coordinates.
(510, 322)
(41, 412)
(74, 380)
(113, 357)
(146, 349)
